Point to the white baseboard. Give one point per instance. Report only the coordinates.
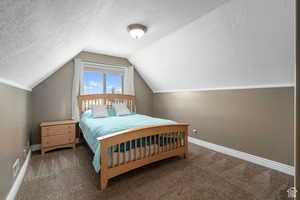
(287, 169)
(37, 147)
(16, 185)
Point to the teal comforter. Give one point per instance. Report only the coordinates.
(93, 128)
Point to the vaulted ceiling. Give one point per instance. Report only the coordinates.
(189, 44)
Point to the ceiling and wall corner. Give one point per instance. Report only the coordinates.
(38, 37)
(204, 43)
(241, 44)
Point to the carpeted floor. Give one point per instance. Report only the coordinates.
(205, 174)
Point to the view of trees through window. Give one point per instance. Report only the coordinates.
(99, 83)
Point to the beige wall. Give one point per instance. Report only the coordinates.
(52, 97)
(144, 95)
(15, 129)
(256, 121)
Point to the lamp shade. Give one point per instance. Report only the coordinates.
(136, 30)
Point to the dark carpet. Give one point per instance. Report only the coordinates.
(204, 175)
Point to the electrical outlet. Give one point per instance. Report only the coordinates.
(25, 152)
(16, 168)
(195, 131)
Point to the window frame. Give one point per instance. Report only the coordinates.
(102, 69)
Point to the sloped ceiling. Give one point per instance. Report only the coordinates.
(37, 37)
(189, 44)
(241, 44)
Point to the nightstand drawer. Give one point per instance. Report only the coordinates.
(58, 134)
(58, 140)
(58, 130)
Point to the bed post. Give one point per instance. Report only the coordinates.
(186, 132)
(104, 165)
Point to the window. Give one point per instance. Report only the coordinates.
(98, 82)
(114, 84)
(93, 83)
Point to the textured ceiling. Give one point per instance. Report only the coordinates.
(160, 16)
(241, 44)
(38, 37)
(193, 40)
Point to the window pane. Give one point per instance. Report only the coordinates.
(92, 83)
(113, 84)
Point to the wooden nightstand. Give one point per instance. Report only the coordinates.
(58, 134)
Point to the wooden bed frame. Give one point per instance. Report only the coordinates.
(164, 141)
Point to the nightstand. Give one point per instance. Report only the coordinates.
(58, 134)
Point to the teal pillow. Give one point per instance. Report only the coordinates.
(111, 112)
(86, 114)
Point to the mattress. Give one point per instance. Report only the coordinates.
(92, 128)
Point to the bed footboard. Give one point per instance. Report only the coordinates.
(127, 150)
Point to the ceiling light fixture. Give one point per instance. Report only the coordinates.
(136, 30)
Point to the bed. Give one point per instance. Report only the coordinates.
(124, 143)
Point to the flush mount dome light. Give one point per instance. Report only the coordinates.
(136, 30)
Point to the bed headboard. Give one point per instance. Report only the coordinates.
(86, 101)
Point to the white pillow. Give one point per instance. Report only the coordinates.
(99, 111)
(121, 109)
